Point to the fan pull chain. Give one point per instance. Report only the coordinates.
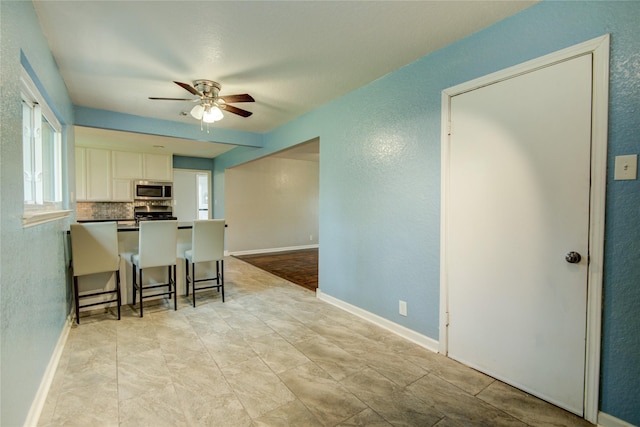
(201, 128)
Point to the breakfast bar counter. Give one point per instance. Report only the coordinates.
(128, 245)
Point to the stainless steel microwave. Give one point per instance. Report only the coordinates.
(152, 190)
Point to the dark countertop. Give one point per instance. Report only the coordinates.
(104, 220)
(134, 227)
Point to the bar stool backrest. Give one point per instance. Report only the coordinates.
(207, 240)
(157, 243)
(94, 248)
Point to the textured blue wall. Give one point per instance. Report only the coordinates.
(104, 119)
(380, 178)
(34, 296)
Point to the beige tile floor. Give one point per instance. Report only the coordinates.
(271, 355)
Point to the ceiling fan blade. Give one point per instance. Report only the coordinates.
(174, 99)
(236, 110)
(189, 88)
(245, 97)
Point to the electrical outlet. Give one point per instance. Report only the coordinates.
(310, 236)
(402, 308)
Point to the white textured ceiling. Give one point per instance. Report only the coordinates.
(291, 56)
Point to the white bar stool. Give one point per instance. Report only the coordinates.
(207, 245)
(157, 243)
(94, 249)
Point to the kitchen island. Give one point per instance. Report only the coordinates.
(128, 245)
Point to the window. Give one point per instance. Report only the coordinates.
(42, 157)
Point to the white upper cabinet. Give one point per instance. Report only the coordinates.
(126, 165)
(98, 174)
(108, 175)
(122, 190)
(157, 167)
(81, 174)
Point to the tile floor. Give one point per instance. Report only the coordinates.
(271, 355)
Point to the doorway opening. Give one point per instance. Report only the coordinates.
(203, 195)
(191, 194)
(271, 203)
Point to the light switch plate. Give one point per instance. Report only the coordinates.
(626, 167)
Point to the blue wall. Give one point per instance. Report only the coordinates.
(380, 178)
(104, 119)
(184, 162)
(34, 294)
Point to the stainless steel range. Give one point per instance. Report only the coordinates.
(153, 213)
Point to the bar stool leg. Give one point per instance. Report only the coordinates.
(135, 284)
(77, 298)
(118, 292)
(186, 275)
(193, 282)
(175, 289)
(141, 296)
(218, 274)
(221, 277)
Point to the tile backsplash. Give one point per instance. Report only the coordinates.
(112, 210)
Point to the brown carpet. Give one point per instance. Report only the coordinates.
(299, 267)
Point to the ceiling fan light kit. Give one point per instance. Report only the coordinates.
(210, 103)
(207, 113)
(211, 114)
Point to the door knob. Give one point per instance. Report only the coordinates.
(573, 257)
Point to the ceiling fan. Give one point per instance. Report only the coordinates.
(210, 103)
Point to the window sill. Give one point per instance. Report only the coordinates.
(36, 218)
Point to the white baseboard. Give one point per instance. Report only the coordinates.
(606, 420)
(41, 396)
(271, 250)
(413, 336)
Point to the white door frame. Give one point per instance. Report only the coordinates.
(599, 47)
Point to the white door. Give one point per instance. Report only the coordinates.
(517, 203)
